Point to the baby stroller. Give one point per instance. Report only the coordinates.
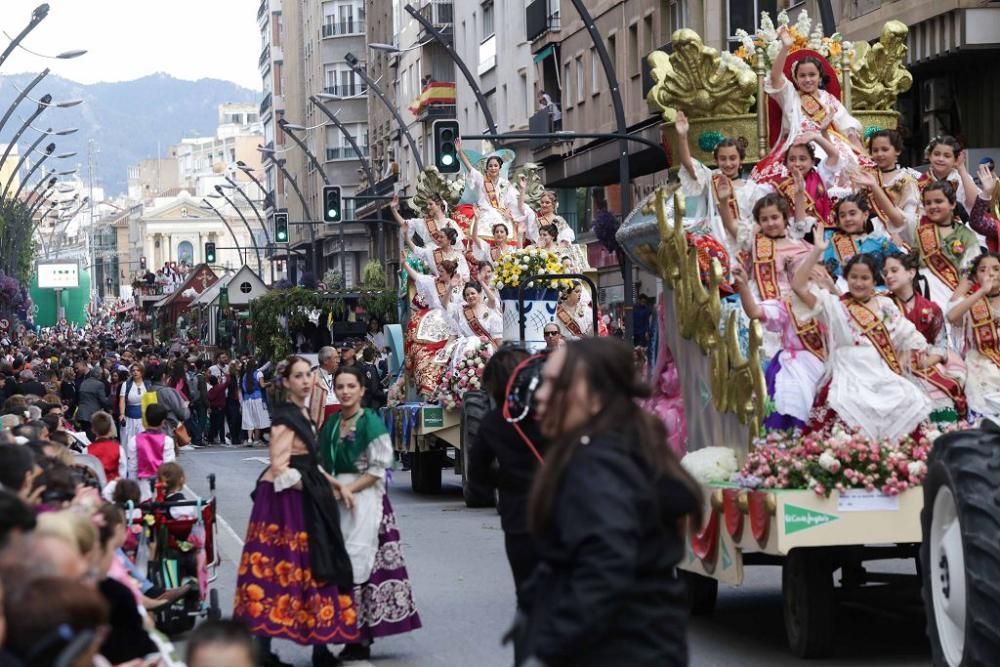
(181, 550)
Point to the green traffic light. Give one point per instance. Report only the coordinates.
(447, 160)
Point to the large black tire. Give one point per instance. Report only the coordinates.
(810, 605)
(702, 593)
(425, 475)
(475, 405)
(960, 552)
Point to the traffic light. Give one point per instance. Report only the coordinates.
(142, 262)
(281, 228)
(209, 253)
(445, 151)
(332, 209)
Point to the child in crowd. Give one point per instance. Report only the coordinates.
(106, 448)
(149, 449)
(221, 643)
(171, 478)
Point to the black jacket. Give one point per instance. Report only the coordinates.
(497, 440)
(31, 387)
(606, 592)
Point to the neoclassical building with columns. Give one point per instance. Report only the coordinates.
(174, 229)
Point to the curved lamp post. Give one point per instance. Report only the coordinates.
(21, 96)
(239, 250)
(48, 152)
(37, 16)
(253, 239)
(17, 168)
(280, 164)
(37, 112)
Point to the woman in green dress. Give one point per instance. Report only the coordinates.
(355, 448)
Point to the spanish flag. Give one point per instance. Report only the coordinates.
(435, 92)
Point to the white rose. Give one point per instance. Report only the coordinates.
(916, 468)
(827, 460)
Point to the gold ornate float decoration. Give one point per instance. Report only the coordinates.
(736, 380)
(723, 94)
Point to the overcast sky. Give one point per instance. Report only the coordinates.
(128, 39)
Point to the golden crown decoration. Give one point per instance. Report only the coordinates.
(723, 94)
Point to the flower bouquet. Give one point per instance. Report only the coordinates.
(766, 44)
(838, 459)
(466, 375)
(514, 267)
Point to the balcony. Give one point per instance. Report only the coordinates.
(436, 100)
(341, 28)
(349, 90)
(540, 123)
(380, 189)
(344, 153)
(261, 10)
(265, 104)
(264, 56)
(539, 19)
(441, 14)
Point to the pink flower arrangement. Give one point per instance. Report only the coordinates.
(838, 459)
(466, 375)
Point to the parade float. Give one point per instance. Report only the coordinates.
(437, 401)
(826, 505)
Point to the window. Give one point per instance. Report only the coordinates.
(677, 14)
(745, 14)
(566, 82)
(579, 79)
(633, 50)
(613, 51)
(488, 20)
(339, 79)
(648, 40)
(522, 90)
(595, 72)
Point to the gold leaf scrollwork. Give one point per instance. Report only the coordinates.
(880, 74)
(736, 381)
(696, 80)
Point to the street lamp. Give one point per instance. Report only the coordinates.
(21, 96)
(471, 80)
(40, 12)
(234, 186)
(31, 149)
(280, 164)
(37, 112)
(208, 206)
(64, 104)
(289, 128)
(48, 151)
(253, 239)
(248, 170)
(355, 66)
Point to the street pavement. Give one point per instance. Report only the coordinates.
(464, 593)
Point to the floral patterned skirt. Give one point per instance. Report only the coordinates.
(276, 595)
(385, 601)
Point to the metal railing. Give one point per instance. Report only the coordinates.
(439, 12)
(265, 104)
(344, 153)
(338, 28)
(349, 90)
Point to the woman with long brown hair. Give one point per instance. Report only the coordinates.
(607, 511)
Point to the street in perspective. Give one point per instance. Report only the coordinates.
(440, 333)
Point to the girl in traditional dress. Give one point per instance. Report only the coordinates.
(941, 381)
(773, 256)
(430, 333)
(975, 315)
(253, 409)
(869, 344)
(496, 198)
(433, 222)
(356, 449)
(546, 215)
(947, 247)
(702, 183)
(892, 190)
(794, 373)
(295, 578)
(946, 162)
(547, 237)
(443, 249)
(855, 234)
(800, 159)
(575, 319)
(493, 248)
(806, 107)
(475, 320)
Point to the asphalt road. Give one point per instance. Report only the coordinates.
(464, 593)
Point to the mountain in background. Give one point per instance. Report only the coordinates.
(128, 120)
